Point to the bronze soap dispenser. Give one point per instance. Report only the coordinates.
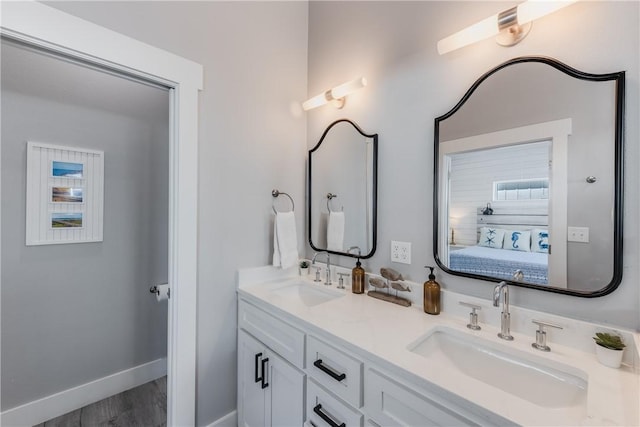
(431, 301)
(357, 278)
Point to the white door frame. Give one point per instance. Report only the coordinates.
(49, 28)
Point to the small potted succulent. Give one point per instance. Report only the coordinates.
(609, 349)
(304, 267)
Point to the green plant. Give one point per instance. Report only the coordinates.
(304, 264)
(607, 340)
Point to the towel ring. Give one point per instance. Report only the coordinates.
(275, 194)
(329, 197)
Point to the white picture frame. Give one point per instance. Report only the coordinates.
(65, 194)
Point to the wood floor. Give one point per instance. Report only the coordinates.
(143, 406)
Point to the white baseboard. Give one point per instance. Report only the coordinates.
(52, 406)
(229, 420)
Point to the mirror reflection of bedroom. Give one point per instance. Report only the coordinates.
(545, 158)
(498, 212)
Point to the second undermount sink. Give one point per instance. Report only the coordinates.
(543, 383)
(309, 295)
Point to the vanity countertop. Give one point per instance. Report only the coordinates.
(382, 332)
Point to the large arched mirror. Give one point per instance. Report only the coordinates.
(528, 179)
(342, 191)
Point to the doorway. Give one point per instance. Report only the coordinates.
(80, 316)
(45, 27)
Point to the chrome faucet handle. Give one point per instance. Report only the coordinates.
(341, 280)
(541, 335)
(473, 316)
(317, 279)
(518, 275)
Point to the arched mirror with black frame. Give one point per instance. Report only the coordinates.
(528, 176)
(342, 191)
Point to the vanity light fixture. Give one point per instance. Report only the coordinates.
(336, 95)
(509, 26)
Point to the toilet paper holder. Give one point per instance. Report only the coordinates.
(154, 290)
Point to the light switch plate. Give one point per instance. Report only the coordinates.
(578, 234)
(401, 252)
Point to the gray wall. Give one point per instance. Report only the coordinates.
(75, 313)
(393, 44)
(251, 139)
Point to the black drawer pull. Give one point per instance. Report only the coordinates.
(338, 377)
(264, 384)
(257, 378)
(325, 417)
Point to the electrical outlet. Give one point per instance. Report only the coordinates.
(578, 234)
(401, 252)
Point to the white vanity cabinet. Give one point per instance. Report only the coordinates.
(334, 385)
(392, 403)
(324, 409)
(283, 382)
(270, 387)
(336, 370)
(270, 390)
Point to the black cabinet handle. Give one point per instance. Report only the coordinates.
(318, 410)
(338, 377)
(257, 378)
(264, 384)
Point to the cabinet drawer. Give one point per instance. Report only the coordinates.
(281, 337)
(337, 371)
(324, 410)
(389, 403)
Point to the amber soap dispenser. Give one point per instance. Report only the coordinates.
(431, 301)
(357, 278)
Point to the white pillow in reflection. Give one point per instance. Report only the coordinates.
(517, 240)
(540, 241)
(491, 237)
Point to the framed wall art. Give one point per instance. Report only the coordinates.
(65, 194)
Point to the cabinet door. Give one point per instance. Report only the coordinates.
(389, 403)
(251, 395)
(285, 399)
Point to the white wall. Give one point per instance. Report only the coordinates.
(473, 175)
(252, 139)
(393, 44)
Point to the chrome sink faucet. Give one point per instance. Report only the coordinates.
(313, 261)
(502, 289)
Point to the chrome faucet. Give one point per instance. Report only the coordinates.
(313, 261)
(502, 289)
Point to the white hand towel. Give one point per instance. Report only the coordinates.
(285, 240)
(335, 231)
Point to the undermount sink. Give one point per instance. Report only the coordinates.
(543, 383)
(307, 294)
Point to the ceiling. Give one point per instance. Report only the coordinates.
(34, 73)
